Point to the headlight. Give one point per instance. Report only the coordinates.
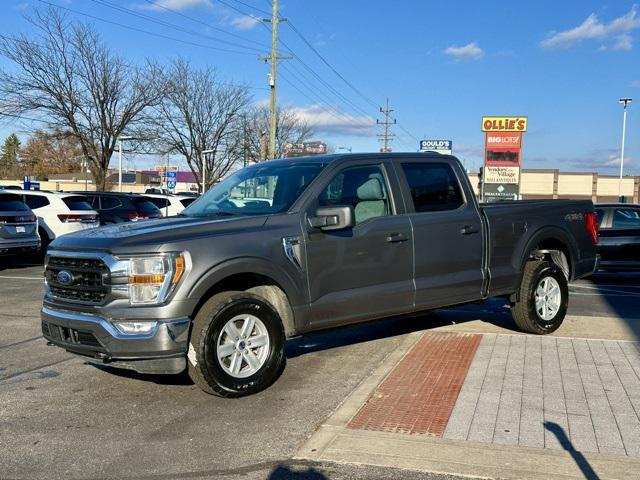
(153, 278)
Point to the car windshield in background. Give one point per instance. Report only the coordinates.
(12, 203)
(258, 190)
(187, 201)
(146, 206)
(77, 203)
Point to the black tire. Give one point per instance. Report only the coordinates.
(203, 366)
(524, 311)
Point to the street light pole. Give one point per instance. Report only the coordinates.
(624, 102)
(120, 139)
(204, 169)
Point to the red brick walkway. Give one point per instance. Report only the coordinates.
(419, 394)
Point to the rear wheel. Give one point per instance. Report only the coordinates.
(543, 299)
(237, 345)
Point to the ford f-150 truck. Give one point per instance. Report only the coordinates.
(286, 247)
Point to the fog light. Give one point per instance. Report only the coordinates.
(135, 328)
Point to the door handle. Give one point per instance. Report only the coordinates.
(397, 238)
(469, 229)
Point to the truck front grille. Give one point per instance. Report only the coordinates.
(84, 280)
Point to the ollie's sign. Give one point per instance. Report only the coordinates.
(504, 124)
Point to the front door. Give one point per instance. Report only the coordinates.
(365, 271)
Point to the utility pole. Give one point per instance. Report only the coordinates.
(273, 58)
(386, 137)
(624, 102)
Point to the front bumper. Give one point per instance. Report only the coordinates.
(162, 350)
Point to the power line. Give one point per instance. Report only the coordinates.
(201, 22)
(333, 69)
(147, 32)
(128, 11)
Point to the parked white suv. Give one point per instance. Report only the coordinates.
(170, 205)
(59, 213)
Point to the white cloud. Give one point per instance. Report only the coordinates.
(175, 4)
(325, 120)
(245, 22)
(470, 51)
(616, 32)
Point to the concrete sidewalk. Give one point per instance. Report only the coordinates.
(496, 406)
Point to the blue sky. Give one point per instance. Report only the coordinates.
(443, 66)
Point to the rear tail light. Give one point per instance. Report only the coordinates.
(592, 226)
(17, 219)
(134, 217)
(73, 218)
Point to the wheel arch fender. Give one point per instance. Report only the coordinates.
(254, 275)
(546, 240)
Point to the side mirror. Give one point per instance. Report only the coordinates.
(333, 218)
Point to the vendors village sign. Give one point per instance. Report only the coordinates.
(502, 157)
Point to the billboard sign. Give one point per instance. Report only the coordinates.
(506, 140)
(500, 191)
(444, 147)
(502, 175)
(504, 124)
(502, 157)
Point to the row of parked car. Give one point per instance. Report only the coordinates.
(31, 219)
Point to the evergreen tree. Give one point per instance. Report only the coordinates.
(9, 156)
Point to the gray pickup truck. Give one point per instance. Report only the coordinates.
(286, 247)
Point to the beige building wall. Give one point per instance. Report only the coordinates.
(575, 184)
(537, 182)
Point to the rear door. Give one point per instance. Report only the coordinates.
(447, 233)
(364, 271)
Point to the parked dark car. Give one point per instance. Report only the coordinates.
(334, 240)
(18, 226)
(122, 207)
(619, 245)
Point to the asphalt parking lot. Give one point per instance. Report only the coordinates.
(63, 418)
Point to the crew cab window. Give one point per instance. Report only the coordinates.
(36, 201)
(600, 213)
(626, 218)
(110, 202)
(434, 186)
(362, 187)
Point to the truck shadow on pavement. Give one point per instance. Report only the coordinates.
(584, 466)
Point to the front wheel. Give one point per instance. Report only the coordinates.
(237, 345)
(543, 299)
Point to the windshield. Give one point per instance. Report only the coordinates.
(258, 190)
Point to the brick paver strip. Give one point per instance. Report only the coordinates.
(419, 394)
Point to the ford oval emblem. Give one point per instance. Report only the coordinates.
(64, 277)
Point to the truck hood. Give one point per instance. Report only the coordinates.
(151, 235)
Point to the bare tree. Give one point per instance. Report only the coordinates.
(50, 152)
(198, 114)
(290, 128)
(69, 76)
